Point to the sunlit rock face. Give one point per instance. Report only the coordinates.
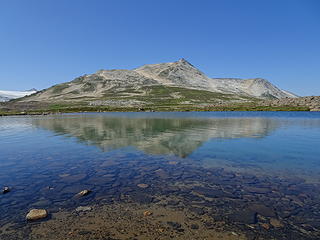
(184, 74)
(175, 136)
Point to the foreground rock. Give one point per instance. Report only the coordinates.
(36, 214)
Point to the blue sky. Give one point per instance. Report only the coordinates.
(45, 42)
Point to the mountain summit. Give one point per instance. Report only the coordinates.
(178, 81)
(184, 74)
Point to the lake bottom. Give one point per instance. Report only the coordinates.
(168, 198)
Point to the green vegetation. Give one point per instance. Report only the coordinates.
(71, 108)
(59, 88)
(89, 87)
(152, 98)
(185, 93)
(160, 96)
(75, 92)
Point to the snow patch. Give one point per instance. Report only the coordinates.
(8, 95)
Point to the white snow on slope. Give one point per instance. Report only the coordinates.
(8, 95)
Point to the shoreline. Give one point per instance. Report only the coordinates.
(17, 107)
(94, 110)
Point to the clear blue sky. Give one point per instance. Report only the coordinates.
(45, 42)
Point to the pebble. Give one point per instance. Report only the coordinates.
(147, 213)
(35, 214)
(265, 226)
(83, 209)
(173, 163)
(143, 185)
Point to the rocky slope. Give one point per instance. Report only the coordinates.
(139, 84)
(312, 102)
(184, 74)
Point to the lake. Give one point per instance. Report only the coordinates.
(192, 175)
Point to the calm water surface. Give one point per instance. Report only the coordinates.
(251, 162)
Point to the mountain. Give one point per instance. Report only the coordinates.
(165, 84)
(8, 95)
(184, 74)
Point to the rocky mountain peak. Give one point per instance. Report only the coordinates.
(31, 90)
(183, 61)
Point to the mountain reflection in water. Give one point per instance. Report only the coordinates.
(265, 142)
(177, 136)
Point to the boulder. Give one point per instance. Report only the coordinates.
(35, 214)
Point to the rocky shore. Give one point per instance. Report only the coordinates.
(312, 102)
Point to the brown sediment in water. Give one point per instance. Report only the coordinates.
(127, 221)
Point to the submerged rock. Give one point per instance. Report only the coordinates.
(141, 198)
(212, 193)
(143, 185)
(172, 163)
(35, 214)
(245, 216)
(258, 190)
(176, 226)
(263, 210)
(6, 190)
(83, 193)
(276, 223)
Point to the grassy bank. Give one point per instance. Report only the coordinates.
(166, 108)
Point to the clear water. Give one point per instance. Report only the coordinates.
(73, 152)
